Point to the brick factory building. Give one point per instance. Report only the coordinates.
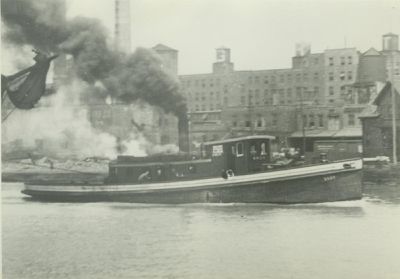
(326, 91)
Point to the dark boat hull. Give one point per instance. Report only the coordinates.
(319, 186)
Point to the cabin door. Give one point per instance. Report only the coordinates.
(231, 158)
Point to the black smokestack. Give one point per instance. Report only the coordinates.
(183, 130)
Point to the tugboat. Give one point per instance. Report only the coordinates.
(237, 170)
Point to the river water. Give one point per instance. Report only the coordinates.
(354, 239)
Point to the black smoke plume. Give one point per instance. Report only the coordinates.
(139, 76)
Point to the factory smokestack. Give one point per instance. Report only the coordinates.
(183, 130)
(122, 32)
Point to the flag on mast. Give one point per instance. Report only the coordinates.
(26, 87)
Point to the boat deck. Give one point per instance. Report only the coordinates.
(286, 174)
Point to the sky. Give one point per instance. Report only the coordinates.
(261, 34)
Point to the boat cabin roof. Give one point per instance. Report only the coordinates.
(239, 139)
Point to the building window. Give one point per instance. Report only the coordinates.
(342, 60)
(247, 124)
(305, 76)
(266, 79)
(259, 123)
(289, 93)
(281, 78)
(289, 77)
(316, 76)
(311, 120)
(330, 61)
(331, 90)
(256, 79)
(234, 123)
(298, 93)
(274, 119)
(321, 120)
(197, 107)
(342, 76)
(352, 120)
(350, 60)
(298, 77)
(349, 75)
(250, 100)
(331, 77)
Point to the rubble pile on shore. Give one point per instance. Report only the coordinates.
(50, 165)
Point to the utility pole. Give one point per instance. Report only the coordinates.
(394, 114)
(303, 124)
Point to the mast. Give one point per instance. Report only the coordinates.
(303, 125)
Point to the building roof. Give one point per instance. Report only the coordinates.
(162, 47)
(385, 89)
(372, 115)
(239, 139)
(313, 134)
(349, 132)
(345, 132)
(390, 34)
(372, 52)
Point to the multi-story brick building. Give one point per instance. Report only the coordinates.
(314, 78)
(326, 91)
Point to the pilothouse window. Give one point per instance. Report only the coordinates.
(239, 149)
(263, 152)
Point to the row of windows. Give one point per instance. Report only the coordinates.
(210, 107)
(313, 121)
(260, 122)
(342, 61)
(282, 78)
(257, 92)
(202, 82)
(343, 91)
(299, 77)
(342, 76)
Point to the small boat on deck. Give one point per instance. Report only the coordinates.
(238, 170)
